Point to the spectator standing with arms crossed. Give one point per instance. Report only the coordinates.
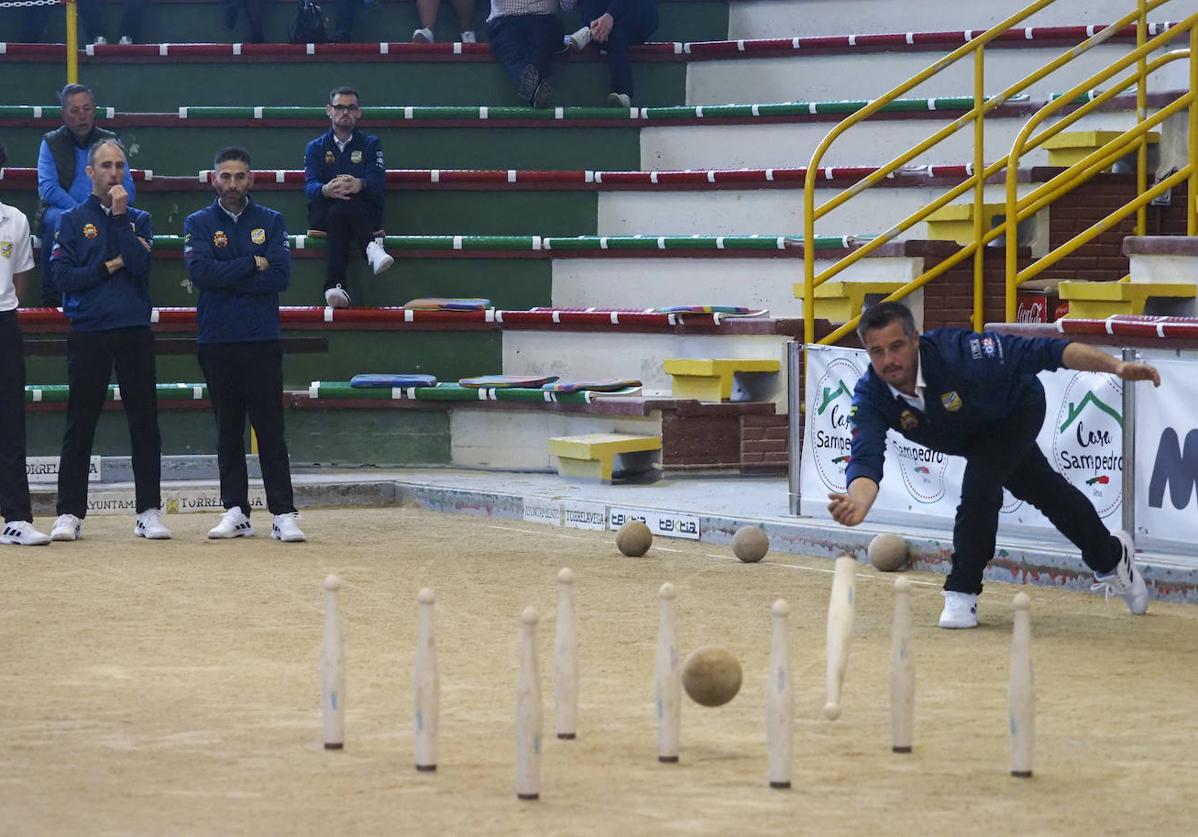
(16, 262)
(101, 264)
(62, 181)
(344, 174)
(237, 255)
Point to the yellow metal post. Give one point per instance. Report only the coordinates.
(979, 192)
(1141, 115)
(1192, 193)
(72, 42)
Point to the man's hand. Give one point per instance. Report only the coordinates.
(353, 185)
(1129, 371)
(260, 263)
(120, 199)
(340, 187)
(113, 265)
(845, 510)
(601, 27)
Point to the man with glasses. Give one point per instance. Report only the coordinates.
(344, 175)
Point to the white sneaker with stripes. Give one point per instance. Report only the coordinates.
(286, 529)
(233, 524)
(22, 533)
(66, 527)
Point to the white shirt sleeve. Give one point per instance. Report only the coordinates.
(22, 246)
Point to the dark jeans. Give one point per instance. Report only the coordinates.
(1012, 459)
(633, 27)
(350, 225)
(247, 379)
(520, 40)
(346, 11)
(91, 21)
(254, 11)
(14, 484)
(91, 357)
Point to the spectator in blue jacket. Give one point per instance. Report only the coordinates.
(237, 256)
(616, 25)
(344, 174)
(101, 264)
(62, 181)
(977, 396)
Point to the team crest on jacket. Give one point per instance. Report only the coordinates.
(951, 401)
(219, 239)
(329, 158)
(89, 231)
(908, 420)
(258, 236)
(355, 157)
(5, 249)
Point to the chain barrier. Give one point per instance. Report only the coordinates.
(24, 4)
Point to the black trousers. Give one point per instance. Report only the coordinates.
(247, 379)
(91, 358)
(635, 27)
(14, 484)
(520, 40)
(91, 20)
(350, 225)
(1013, 460)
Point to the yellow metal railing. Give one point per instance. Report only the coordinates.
(72, 42)
(980, 172)
(1100, 159)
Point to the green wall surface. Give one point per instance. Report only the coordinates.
(690, 20)
(186, 148)
(162, 88)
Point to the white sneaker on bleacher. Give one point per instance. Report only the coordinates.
(468, 37)
(422, 36)
(336, 297)
(125, 40)
(619, 100)
(100, 41)
(286, 529)
(378, 258)
(233, 524)
(22, 533)
(66, 527)
(579, 39)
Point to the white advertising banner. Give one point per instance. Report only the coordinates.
(1167, 457)
(1082, 438)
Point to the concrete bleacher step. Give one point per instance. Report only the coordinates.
(869, 65)
(723, 379)
(1163, 282)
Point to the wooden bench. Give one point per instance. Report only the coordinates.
(720, 379)
(592, 456)
(1097, 300)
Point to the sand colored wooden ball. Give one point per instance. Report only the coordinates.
(888, 552)
(634, 539)
(711, 675)
(750, 544)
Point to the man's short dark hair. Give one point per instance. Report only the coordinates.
(232, 152)
(73, 90)
(98, 144)
(343, 90)
(882, 315)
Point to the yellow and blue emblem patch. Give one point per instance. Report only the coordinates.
(355, 157)
(6, 249)
(258, 236)
(951, 401)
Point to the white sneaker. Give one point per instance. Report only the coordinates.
(579, 39)
(285, 528)
(1125, 580)
(619, 100)
(22, 533)
(423, 36)
(149, 525)
(125, 40)
(100, 40)
(336, 297)
(468, 37)
(960, 610)
(66, 527)
(233, 524)
(378, 258)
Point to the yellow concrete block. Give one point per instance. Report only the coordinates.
(1097, 300)
(1071, 147)
(592, 455)
(839, 302)
(955, 221)
(711, 379)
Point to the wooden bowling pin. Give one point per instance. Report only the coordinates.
(669, 681)
(565, 658)
(332, 670)
(779, 701)
(840, 630)
(426, 686)
(1022, 692)
(529, 719)
(902, 671)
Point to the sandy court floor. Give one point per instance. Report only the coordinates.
(151, 688)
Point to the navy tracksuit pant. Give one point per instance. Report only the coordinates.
(1013, 460)
(633, 26)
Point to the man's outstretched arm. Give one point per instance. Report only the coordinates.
(1085, 358)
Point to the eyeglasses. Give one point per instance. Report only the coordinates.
(345, 108)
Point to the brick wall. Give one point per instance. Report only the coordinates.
(764, 444)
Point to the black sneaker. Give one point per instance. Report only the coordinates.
(530, 78)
